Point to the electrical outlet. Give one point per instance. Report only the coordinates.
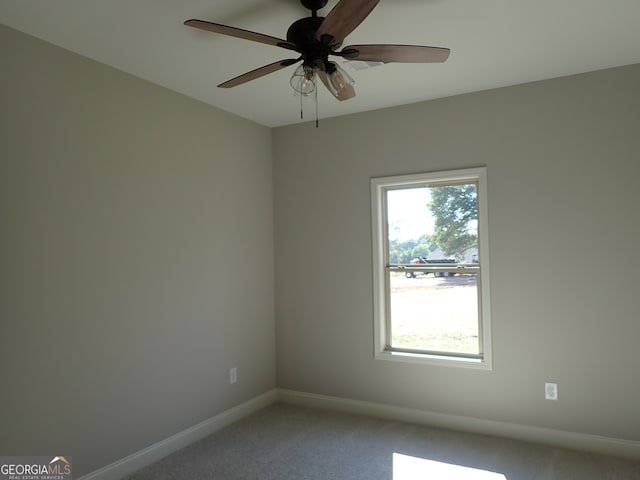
(233, 375)
(551, 391)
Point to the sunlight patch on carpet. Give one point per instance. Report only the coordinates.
(406, 467)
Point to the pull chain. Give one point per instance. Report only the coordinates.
(302, 110)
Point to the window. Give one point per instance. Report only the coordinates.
(431, 268)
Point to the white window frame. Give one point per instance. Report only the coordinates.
(379, 187)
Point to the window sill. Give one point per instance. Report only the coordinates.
(436, 360)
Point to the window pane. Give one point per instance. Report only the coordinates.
(434, 314)
(430, 311)
(435, 223)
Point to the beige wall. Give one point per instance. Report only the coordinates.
(563, 160)
(136, 258)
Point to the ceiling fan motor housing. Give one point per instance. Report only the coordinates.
(302, 34)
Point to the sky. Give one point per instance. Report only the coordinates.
(408, 215)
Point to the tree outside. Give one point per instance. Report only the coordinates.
(455, 212)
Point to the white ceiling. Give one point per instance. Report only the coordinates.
(493, 43)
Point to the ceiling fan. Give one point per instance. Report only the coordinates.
(315, 39)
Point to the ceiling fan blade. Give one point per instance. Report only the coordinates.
(396, 53)
(240, 33)
(343, 19)
(346, 93)
(257, 73)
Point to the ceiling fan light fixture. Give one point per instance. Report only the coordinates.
(337, 78)
(303, 80)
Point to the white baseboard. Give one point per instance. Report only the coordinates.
(558, 438)
(155, 452)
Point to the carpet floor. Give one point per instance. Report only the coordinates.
(284, 442)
